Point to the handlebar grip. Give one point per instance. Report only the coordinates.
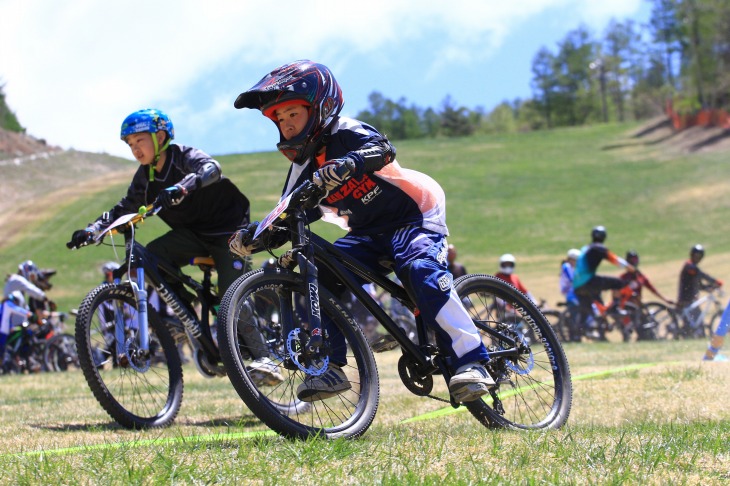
(346, 168)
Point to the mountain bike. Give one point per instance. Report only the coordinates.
(39, 344)
(701, 317)
(621, 316)
(128, 353)
(60, 352)
(533, 389)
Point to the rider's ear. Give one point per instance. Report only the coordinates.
(161, 137)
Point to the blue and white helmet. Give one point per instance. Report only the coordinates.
(147, 120)
(28, 269)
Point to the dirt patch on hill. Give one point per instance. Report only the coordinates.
(659, 132)
(14, 144)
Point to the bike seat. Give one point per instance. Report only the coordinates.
(205, 263)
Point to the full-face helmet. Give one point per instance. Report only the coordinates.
(30, 271)
(303, 82)
(598, 234)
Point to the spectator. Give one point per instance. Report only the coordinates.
(456, 268)
(506, 273)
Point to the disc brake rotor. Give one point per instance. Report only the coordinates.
(295, 348)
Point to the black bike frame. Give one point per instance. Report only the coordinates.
(344, 268)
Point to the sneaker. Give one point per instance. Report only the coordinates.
(264, 372)
(718, 357)
(470, 382)
(331, 383)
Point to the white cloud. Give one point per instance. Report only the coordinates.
(74, 69)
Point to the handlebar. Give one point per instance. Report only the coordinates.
(120, 225)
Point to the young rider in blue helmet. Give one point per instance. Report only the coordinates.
(202, 207)
(392, 214)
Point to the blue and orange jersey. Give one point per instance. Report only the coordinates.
(590, 257)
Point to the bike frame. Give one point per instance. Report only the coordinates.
(142, 266)
(708, 304)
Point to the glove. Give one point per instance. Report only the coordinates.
(172, 196)
(332, 175)
(286, 260)
(80, 238)
(241, 242)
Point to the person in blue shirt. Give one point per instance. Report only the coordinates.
(392, 214)
(567, 272)
(586, 283)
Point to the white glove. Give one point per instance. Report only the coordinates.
(329, 176)
(241, 242)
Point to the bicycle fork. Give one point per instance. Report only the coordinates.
(138, 358)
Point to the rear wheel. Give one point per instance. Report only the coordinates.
(534, 389)
(135, 390)
(272, 301)
(60, 353)
(662, 318)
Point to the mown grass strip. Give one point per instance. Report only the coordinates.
(247, 435)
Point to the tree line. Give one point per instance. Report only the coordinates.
(631, 72)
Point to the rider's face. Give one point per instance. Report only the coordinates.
(292, 120)
(142, 146)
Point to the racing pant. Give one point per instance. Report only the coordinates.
(418, 257)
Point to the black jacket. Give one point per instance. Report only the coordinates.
(215, 210)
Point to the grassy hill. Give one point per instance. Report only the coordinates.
(534, 195)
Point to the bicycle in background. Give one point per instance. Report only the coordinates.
(701, 317)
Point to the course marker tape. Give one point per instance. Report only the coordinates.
(586, 376)
(247, 435)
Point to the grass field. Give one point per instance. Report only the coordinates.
(643, 413)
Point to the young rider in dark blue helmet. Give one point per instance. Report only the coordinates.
(393, 214)
(202, 207)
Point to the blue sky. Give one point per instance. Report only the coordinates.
(74, 69)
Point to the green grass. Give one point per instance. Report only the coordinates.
(664, 422)
(534, 195)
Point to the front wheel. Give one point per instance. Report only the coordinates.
(271, 304)
(534, 389)
(136, 391)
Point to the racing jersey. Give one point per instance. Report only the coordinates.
(375, 202)
(691, 281)
(590, 257)
(637, 281)
(512, 279)
(215, 210)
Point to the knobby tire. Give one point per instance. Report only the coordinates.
(134, 399)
